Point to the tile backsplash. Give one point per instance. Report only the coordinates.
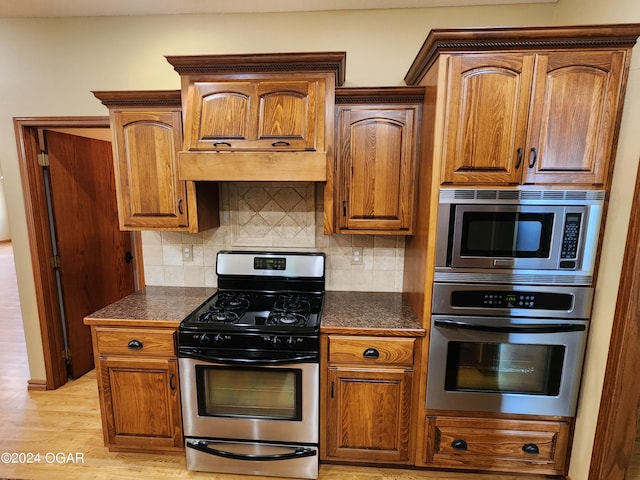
(274, 216)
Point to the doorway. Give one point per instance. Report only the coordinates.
(81, 260)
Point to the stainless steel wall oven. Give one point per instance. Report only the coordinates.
(512, 349)
(249, 367)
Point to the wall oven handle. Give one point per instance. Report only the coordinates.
(524, 328)
(298, 452)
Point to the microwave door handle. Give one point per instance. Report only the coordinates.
(524, 328)
(298, 452)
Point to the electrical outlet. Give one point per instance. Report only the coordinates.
(356, 256)
(187, 253)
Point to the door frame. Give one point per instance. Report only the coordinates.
(617, 423)
(26, 132)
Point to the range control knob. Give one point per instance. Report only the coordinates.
(203, 338)
(291, 342)
(275, 340)
(218, 339)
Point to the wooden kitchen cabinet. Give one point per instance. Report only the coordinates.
(261, 117)
(494, 444)
(527, 106)
(372, 190)
(279, 114)
(138, 384)
(368, 399)
(147, 135)
(532, 118)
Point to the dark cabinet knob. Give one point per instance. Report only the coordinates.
(459, 444)
(371, 353)
(531, 448)
(135, 345)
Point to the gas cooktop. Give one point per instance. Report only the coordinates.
(238, 310)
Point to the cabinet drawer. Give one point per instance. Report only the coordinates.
(497, 444)
(135, 341)
(371, 350)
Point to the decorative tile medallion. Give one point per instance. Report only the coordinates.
(272, 214)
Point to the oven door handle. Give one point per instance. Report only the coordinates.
(228, 360)
(298, 452)
(524, 328)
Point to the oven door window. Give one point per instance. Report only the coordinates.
(506, 234)
(504, 368)
(249, 392)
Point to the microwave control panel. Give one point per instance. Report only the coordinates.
(511, 299)
(570, 240)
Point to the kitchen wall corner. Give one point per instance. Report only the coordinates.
(278, 217)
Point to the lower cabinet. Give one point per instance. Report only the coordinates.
(491, 444)
(367, 393)
(139, 389)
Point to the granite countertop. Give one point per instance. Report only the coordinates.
(152, 306)
(371, 313)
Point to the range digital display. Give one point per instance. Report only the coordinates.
(269, 263)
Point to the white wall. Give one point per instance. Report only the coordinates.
(5, 232)
(49, 67)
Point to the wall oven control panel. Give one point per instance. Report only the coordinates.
(511, 299)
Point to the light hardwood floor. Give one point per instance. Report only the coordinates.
(63, 426)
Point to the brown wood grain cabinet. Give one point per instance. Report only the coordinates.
(494, 444)
(372, 189)
(524, 117)
(138, 384)
(283, 114)
(528, 106)
(368, 389)
(147, 135)
(260, 117)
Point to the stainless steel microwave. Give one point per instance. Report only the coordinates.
(518, 235)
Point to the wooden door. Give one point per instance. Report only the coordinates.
(487, 111)
(220, 115)
(150, 193)
(376, 157)
(287, 114)
(368, 414)
(574, 116)
(93, 252)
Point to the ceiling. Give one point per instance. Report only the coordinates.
(91, 8)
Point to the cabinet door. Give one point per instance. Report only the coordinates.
(368, 414)
(574, 115)
(149, 192)
(487, 109)
(376, 168)
(254, 115)
(288, 115)
(221, 115)
(141, 403)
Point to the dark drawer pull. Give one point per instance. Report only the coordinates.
(459, 444)
(222, 144)
(371, 353)
(531, 449)
(280, 144)
(135, 345)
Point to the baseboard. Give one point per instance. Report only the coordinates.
(36, 385)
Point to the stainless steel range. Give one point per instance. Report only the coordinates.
(249, 367)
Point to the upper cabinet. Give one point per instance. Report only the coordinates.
(262, 117)
(523, 106)
(372, 187)
(147, 135)
(255, 115)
